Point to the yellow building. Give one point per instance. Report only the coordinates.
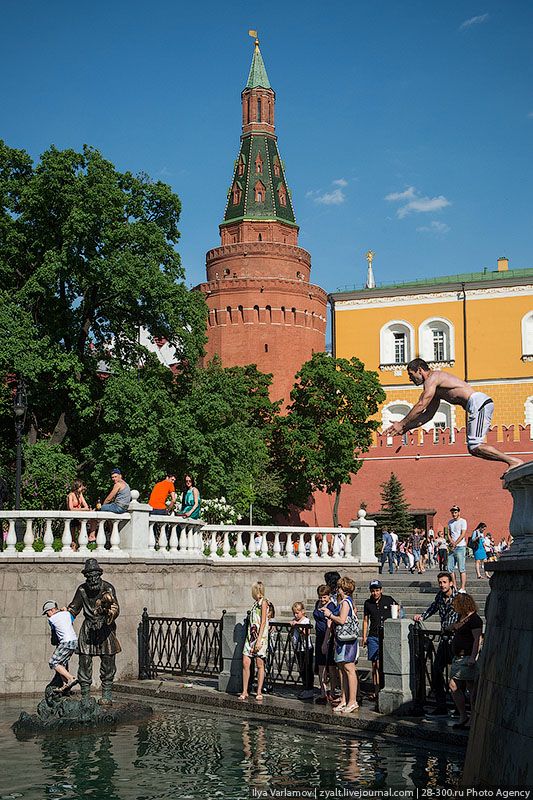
(477, 325)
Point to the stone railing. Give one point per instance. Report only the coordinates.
(138, 535)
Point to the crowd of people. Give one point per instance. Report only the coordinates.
(332, 653)
(446, 550)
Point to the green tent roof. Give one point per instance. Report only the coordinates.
(258, 74)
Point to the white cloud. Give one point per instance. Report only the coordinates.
(333, 198)
(434, 227)
(409, 194)
(416, 202)
(468, 23)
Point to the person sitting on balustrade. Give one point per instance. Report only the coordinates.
(190, 499)
(119, 498)
(163, 495)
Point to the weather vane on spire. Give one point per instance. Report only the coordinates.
(253, 34)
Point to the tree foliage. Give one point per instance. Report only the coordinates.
(327, 425)
(394, 507)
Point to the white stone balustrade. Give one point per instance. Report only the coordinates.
(139, 535)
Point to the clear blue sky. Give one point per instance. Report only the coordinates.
(405, 127)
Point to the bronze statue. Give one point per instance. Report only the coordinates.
(98, 600)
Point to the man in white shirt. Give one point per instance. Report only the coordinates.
(457, 538)
(66, 641)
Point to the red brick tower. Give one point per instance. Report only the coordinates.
(262, 308)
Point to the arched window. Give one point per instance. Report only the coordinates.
(528, 415)
(228, 311)
(259, 189)
(394, 412)
(436, 339)
(241, 314)
(269, 313)
(277, 168)
(259, 237)
(283, 314)
(256, 313)
(259, 109)
(527, 337)
(259, 164)
(293, 312)
(396, 343)
(443, 420)
(236, 193)
(241, 165)
(282, 194)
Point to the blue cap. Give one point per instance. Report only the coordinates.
(375, 585)
(116, 471)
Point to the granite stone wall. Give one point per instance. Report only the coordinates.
(191, 589)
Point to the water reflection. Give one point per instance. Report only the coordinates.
(187, 754)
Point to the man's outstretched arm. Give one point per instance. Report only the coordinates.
(423, 410)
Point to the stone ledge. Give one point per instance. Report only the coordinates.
(277, 708)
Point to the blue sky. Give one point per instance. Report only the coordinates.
(405, 127)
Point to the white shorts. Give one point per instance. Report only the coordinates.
(479, 411)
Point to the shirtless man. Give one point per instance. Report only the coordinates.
(439, 386)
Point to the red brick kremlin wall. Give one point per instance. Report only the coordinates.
(434, 475)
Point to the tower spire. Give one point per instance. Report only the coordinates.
(370, 282)
(257, 77)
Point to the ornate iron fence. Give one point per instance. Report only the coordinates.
(179, 646)
(290, 655)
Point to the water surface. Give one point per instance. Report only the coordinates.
(190, 754)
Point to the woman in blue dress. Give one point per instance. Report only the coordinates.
(478, 547)
(190, 499)
(346, 652)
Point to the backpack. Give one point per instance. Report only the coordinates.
(349, 630)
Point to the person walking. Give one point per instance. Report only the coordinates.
(386, 552)
(394, 548)
(415, 541)
(346, 653)
(256, 643)
(438, 386)
(478, 546)
(467, 632)
(443, 605)
(442, 551)
(457, 538)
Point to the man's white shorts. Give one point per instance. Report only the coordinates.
(479, 411)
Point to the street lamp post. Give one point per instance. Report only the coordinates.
(20, 407)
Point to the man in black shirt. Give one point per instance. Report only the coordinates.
(376, 610)
(442, 605)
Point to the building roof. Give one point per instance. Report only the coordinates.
(513, 276)
(258, 75)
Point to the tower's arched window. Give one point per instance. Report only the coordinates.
(259, 109)
(260, 190)
(282, 194)
(228, 311)
(277, 168)
(256, 313)
(269, 313)
(236, 193)
(396, 343)
(259, 164)
(241, 165)
(436, 339)
(527, 337)
(259, 237)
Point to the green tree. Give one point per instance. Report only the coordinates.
(226, 422)
(87, 259)
(394, 507)
(328, 424)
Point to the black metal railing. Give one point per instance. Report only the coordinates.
(424, 646)
(290, 655)
(179, 646)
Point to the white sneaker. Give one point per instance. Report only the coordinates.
(461, 591)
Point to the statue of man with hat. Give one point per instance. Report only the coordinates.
(98, 601)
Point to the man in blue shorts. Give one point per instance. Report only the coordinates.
(457, 538)
(376, 610)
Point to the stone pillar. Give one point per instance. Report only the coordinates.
(233, 636)
(364, 547)
(501, 736)
(397, 667)
(134, 534)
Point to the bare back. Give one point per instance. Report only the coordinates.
(449, 387)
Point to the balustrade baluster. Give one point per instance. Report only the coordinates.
(83, 537)
(48, 537)
(183, 539)
(348, 544)
(190, 540)
(66, 539)
(314, 549)
(226, 546)
(151, 536)
(100, 539)
(239, 547)
(336, 546)
(324, 551)
(289, 547)
(28, 539)
(11, 539)
(301, 546)
(115, 538)
(174, 539)
(214, 545)
(264, 545)
(276, 550)
(198, 541)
